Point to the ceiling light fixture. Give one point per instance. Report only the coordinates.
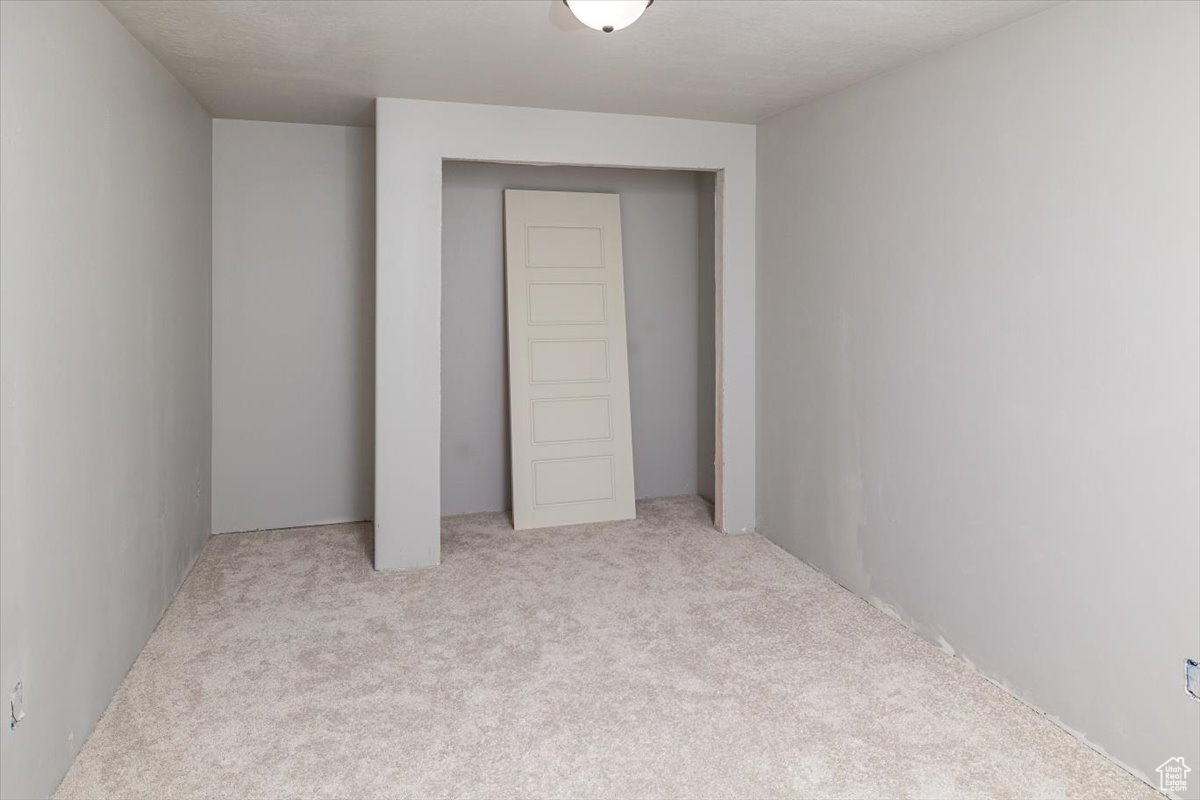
(607, 15)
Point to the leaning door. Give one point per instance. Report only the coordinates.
(572, 454)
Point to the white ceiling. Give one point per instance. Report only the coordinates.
(734, 60)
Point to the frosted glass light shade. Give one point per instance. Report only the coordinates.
(607, 15)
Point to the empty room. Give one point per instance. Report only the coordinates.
(600, 399)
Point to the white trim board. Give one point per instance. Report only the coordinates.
(413, 138)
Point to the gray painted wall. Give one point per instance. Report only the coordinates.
(105, 276)
(293, 324)
(668, 293)
(979, 340)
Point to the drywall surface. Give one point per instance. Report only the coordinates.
(716, 59)
(413, 137)
(670, 379)
(293, 324)
(980, 358)
(105, 277)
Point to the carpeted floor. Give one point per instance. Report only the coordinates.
(653, 658)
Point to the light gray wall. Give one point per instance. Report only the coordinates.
(980, 358)
(293, 324)
(105, 277)
(668, 294)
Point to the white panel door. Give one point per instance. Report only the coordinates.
(568, 368)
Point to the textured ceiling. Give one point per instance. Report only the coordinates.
(735, 60)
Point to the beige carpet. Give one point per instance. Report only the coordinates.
(653, 658)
